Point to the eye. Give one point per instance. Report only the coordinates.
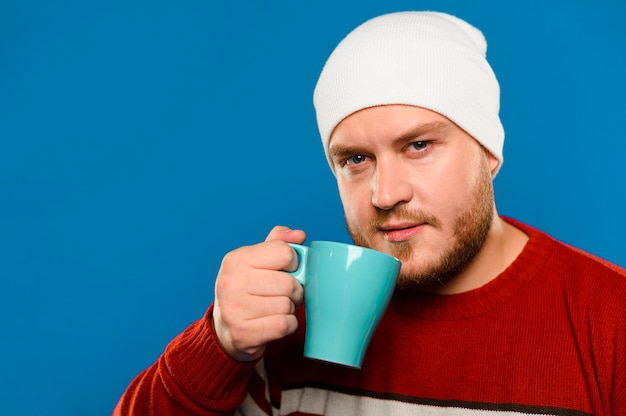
(355, 160)
(421, 145)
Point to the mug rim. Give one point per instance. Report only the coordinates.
(339, 243)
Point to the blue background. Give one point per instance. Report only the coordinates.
(142, 140)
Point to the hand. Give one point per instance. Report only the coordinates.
(255, 299)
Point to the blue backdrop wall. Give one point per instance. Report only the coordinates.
(142, 140)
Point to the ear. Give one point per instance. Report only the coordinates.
(491, 160)
(493, 163)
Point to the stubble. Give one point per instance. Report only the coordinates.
(470, 229)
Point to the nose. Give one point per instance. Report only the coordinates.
(390, 186)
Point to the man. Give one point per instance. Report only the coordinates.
(490, 316)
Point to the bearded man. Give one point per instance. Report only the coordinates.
(489, 316)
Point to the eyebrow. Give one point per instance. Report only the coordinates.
(340, 151)
(421, 130)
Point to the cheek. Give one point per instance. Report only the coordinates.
(454, 191)
(448, 192)
(355, 201)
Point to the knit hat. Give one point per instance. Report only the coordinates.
(426, 59)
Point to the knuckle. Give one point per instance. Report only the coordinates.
(284, 253)
(232, 309)
(286, 306)
(233, 258)
(284, 284)
(227, 291)
(222, 284)
(286, 325)
(231, 276)
(239, 336)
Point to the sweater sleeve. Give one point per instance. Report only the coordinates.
(194, 376)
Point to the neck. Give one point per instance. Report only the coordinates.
(503, 244)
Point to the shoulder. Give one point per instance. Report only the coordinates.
(587, 296)
(574, 260)
(584, 278)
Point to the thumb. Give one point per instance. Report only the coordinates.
(286, 234)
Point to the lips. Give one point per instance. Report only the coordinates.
(396, 233)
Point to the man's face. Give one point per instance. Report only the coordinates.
(416, 186)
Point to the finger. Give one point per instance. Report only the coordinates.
(245, 339)
(254, 333)
(270, 255)
(264, 283)
(262, 306)
(286, 234)
(297, 296)
(278, 326)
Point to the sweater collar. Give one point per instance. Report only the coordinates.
(485, 298)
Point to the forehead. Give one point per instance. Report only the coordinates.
(388, 121)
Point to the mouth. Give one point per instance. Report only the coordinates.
(396, 233)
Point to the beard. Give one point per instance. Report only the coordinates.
(470, 229)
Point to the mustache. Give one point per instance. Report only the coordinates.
(402, 214)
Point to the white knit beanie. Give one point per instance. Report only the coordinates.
(426, 59)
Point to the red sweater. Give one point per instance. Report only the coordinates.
(547, 336)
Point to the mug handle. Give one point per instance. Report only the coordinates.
(300, 273)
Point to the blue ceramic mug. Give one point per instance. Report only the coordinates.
(346, 291)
